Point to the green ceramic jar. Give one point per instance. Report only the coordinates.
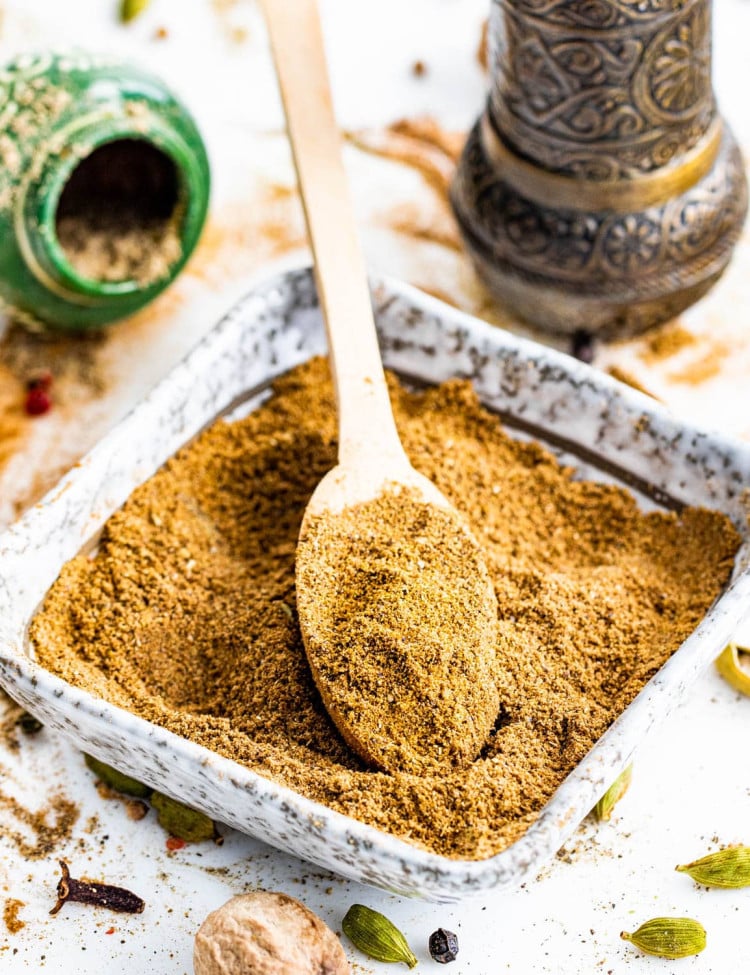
(104, 184)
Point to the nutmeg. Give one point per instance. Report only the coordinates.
(265, 933)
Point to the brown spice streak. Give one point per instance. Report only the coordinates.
(411, 222)
(179, 618)
(666, 341)
(705, 367)
(49, 827)
(12, 419)
(623, 376)
(10, 715)
(419, 143)
(11, 910)
(482, 55)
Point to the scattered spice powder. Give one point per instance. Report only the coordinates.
(270, 224)
(706, 366)
(178, 618)
(427, 130)
(412, 221)
(103, 246)
(10, 717)
(13, 922)
(49, 827)
(71, 361)
(483, 59)
(419, 143)
(135, 809)
(440, 295)
(623, 376)
(666, 341)
(12, 423)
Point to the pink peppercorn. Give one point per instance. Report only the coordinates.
(38, 401)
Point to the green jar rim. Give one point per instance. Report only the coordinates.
(46, 258)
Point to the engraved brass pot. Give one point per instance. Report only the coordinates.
(601, 189)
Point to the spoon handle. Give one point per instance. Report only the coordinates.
(366, 422)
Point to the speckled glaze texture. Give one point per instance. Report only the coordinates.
(576, 410)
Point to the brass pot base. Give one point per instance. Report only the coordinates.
(610, 272)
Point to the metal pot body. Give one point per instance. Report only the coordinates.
(601, 189)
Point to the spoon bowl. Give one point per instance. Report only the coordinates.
(399, 620)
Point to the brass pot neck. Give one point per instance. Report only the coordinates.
(556, 190)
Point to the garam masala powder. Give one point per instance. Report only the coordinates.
(186, 613)
(399, 620)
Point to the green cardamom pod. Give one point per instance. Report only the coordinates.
(669, 937)
(182, 821)
(730, 667)
(117, 780)
(603, 809)
(130, 9)
(728, 868)
(376, 936)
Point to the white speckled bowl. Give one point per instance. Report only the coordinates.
(609, 430)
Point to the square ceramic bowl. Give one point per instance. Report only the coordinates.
(607, 430)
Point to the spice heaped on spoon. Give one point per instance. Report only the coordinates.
(394, 600)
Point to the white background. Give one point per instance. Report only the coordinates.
(691, 787)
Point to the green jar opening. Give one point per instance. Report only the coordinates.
(119, 215)
(105, 192)
(118, 219)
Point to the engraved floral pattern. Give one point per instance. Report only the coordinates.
(601, 14)
(577, 83)
(678, 65)
(633, 243)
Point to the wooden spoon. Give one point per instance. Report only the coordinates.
(395, 604)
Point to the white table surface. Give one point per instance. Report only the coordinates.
(691, 787)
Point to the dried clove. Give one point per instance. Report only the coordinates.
(100, 895)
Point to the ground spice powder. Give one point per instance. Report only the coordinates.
(186, 616)
(112, 248)
(11, 912)
(40, 831)
(401, 630)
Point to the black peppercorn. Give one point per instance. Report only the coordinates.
(443, 946)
